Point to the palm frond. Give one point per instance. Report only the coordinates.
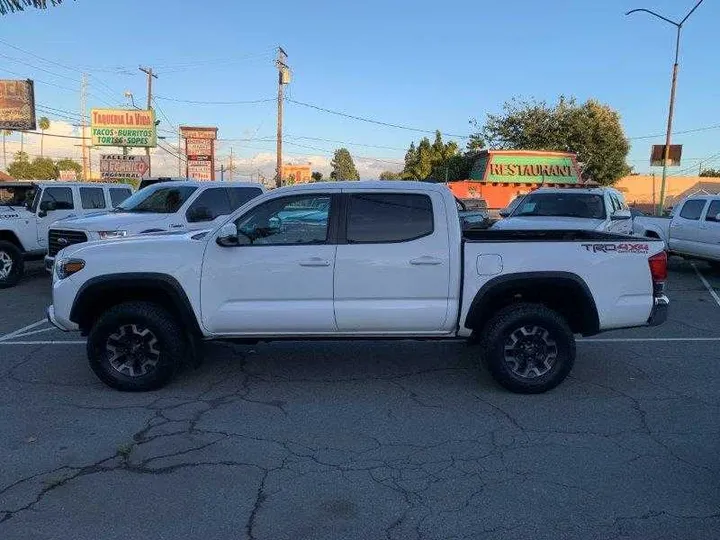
(9, 6)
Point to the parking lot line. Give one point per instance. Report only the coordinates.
(707, 285)
(633, 340)
(76, 342)
(23, 330)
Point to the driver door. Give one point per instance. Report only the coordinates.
(278, 279)
(61, 205)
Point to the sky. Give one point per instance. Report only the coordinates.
(423, 65)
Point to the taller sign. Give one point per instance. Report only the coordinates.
(200, 152)
(121, 127)
(17, 105)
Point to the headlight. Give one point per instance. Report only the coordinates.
(108, 235)
(67, 267)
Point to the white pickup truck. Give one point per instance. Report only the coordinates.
(350, 260)
(28, 208)
(162, 206)
(594, 209)
(691, 231)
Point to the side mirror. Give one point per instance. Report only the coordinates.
(228, 235)
(620, 215)
(48, 206)
(199, 213)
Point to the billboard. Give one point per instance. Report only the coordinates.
(657, 155)
(17, 105)
(200, 151)
(121, 127)
(118, 166)
(200, 170)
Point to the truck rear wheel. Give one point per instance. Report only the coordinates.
(136, 346)
(528, 348)
(11, 264)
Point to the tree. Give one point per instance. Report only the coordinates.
(9, 6)
(44, 124)
(591, 130)
(317, 176)
(343, 166)
(432, 161)
(710, 173)
(389, 175)
(67, 164)
(44, 169)
(20, 168)
(5, 133)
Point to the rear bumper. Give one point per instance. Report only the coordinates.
(659, 312)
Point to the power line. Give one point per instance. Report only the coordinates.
(373, 121)
(193, 102)
(685, 132)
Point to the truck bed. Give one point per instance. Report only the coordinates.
(490, 235)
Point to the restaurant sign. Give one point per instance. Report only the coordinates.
(525, 167)
(121, 127)
(17, 105)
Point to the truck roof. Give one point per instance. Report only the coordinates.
(596, 190)
(389, 185)
(62, 183)
(181, 183)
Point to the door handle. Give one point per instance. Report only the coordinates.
(314, 261)
(426, 260)
(176, 226)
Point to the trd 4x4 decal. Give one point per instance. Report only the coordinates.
(617, 248)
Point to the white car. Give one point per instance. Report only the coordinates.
(597, 209)
(166, 206)
(692, 230)
(349, 260)
(28, 208)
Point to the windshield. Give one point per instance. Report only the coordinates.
(578, 205)
(16, 195)
(157, 199)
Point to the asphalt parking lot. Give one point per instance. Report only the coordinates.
(398, 440)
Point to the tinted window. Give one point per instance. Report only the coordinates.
(713, 211)
(287, 221)
(159, 199)
(92, 198)
(580, 205)
(391, 217)
(210, 204)
(16, 195)
(118, 195)
(692, 209)
(241, 195)
(61, 196)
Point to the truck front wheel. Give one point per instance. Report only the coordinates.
(11, 264)
(528, 348)
(136, 346)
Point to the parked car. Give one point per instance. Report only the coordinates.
(166, 206)
(349, 260)
(691, 231)
(28, 208)
(596, 209)
(473, 218)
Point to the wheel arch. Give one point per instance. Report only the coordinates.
(564, 292)
(101, 293)
(10, 236)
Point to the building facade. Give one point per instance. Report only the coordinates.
(296, 174)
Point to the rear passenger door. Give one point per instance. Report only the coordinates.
(392, 264)
(118, 195)
(685, 226)
(709, 234)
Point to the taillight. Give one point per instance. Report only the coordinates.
(658, 267)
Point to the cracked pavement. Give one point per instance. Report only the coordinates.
(378, 440)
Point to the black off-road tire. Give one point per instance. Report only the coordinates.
(160, 335)
(18, 264)
(558, 342)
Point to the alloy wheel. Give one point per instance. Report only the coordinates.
(133, 350)
(530, 352)
(6, 265)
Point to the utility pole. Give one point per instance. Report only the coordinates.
(671, 110)
(180, 153)
(150, 76)
(231, 166)
(283, 79)
(83, 124)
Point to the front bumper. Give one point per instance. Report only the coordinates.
(49, 263)
(60, 324)
(659, 312)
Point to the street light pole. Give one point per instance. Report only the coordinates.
(671, 109)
